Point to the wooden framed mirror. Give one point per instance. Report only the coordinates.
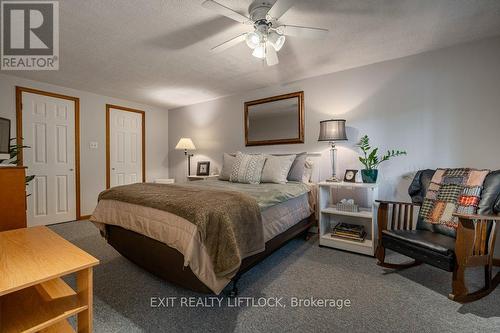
(275, 120)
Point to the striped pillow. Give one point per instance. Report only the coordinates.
(247, 169)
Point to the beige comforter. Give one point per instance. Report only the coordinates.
(229, 222)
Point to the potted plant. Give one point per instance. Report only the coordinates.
(371, 160)
(14, 150)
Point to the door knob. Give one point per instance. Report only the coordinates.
(71, 169)
(112, 168)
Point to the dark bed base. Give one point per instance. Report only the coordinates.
(168, 263)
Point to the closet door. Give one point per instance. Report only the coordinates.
(49, 131)
(125, 146)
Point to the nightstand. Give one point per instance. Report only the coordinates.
(194, 177)
(364, 196)
(164, 180)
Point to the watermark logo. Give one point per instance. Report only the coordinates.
(30, 35)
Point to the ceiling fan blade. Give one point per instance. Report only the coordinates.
(271, 55)
(306, 32)
(225, 11)
(280, 7)
(229, 43)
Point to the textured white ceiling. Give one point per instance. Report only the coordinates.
(157, 51)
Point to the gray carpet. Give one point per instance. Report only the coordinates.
(414, 300)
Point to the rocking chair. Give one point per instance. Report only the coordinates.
(473, 245)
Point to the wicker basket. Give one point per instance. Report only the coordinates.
(347, 207)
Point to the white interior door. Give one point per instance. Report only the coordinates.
(49, 129)
(125, 129)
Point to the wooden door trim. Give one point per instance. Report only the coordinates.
(19, 132)
(108, 148)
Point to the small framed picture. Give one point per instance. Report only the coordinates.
(350, 176)
(203, 168)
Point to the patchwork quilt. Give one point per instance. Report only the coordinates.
(452, 191)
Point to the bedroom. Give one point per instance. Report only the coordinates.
(232, 225)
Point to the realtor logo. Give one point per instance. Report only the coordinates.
(30, 35)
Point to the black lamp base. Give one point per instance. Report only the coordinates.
(189, 161)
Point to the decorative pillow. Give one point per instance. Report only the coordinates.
(227, 166)
(276, 168)
(247, 168)
(308, 171)
(297, 170)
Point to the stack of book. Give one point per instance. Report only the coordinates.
(349, 231)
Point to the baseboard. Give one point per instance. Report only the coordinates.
(84, 217)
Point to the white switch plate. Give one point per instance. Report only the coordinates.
(93, 145)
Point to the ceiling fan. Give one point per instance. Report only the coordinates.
(268, 35)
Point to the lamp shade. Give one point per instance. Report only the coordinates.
(332, 130)
(186, 144)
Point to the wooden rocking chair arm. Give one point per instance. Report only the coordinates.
(475, 241)
(397, 202)
(488, 218)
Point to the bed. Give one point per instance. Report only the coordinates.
(165, 243)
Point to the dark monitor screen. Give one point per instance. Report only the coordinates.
(4, 135)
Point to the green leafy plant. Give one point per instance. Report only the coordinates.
(370, 159)
(14, 150)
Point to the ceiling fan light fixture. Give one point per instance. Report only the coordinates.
(260, 51)
(268, 36)
(276, 40)
(253, 39)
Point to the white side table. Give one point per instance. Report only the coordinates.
(194, 177)
(164, 180)
(364, 196)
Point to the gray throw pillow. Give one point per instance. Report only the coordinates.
(247, 169)
(227, 166)
(276, 168)
(298, 167)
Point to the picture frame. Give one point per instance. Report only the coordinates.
(203, 168)
(263, 115)
(4, 136)
(350, 175)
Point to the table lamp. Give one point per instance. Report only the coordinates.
(332, 130)
(186, 144)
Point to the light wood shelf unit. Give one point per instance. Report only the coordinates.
(33, 297)
(37, 312)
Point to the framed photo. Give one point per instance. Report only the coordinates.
(350, 176)
(4, 135)
(203, 168)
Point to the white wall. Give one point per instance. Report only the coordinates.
(93, 128)
(443, 107)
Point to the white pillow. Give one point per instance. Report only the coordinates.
(247, 168)
(227, 166)
(308, 171)
(276, 168)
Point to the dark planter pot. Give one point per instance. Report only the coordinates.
(369, 176)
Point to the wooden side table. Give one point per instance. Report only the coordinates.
(33, 297)
(12, 197)
(194, 177)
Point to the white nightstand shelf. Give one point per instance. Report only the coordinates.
(364, 195)
(363, 212)
(164, 180)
